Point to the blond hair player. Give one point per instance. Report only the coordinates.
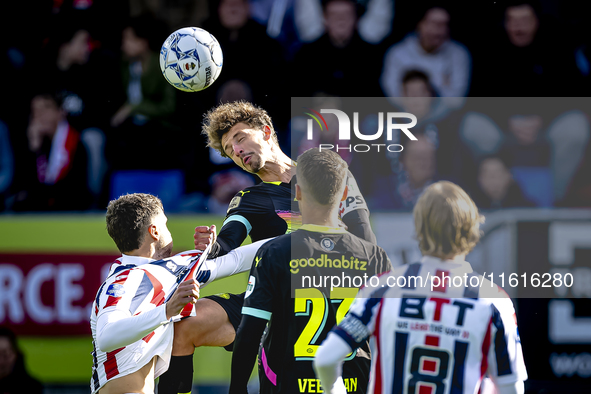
(432, 336)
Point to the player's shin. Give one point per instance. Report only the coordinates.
(179, 377)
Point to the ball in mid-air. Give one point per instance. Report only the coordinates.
(191, 59)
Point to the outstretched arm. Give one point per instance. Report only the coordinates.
(237, 261)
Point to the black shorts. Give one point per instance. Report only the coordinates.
(232, 304)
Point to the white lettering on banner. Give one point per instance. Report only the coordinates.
(105, 271)
(571, 364)
(564, 326)
(565, 238)
(20, 295)
(11, 279)
(68, 292)
(32, 293)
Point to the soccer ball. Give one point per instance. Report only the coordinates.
(191, 59)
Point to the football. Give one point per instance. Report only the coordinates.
(191, 59)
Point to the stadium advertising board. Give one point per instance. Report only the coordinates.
(50, 294)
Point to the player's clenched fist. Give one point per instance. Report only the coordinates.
(187, 292)
(204, 236)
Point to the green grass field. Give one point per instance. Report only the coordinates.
(68, 360)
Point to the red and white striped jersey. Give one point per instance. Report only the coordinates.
(128, 316)
(435, 339)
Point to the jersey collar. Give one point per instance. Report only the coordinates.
(134, 260)
(323, 229)
(458, 265)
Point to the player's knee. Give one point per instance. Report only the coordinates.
(182, 343)
(198, 328)
(187, 333)
(208, 327)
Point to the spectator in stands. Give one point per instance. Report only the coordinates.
(102, 19)
(436, 121)
(144, 119)
(240, 37)
(530, 58)
(496, 188)
(279, 19)
(525, 144)
(375, 20)
(402, 186)
(69, 70)
(6, 164)
(419, 95)
(85, 79)
(527, 152)
(578, 194)
(79, 67)
(224, 186)
(429, 49)
(20, 57)
(14, 378)
(344, 65)
(418, 171)
(56, 176)
(535, 141)
(234, 90)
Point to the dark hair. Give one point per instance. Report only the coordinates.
(322, 174)
(503, 156)
(19, 364)
(11, 336)
(128, 218)
(534, 4)
(61, 31)
(422, 11)
(57, 96)
(415, 74)
(360, 6)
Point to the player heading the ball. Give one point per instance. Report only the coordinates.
(297, 318)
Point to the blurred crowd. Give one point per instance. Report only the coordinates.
(88, 114)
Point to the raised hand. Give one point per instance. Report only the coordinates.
(204, 236)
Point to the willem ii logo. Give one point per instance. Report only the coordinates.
(344, 125)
